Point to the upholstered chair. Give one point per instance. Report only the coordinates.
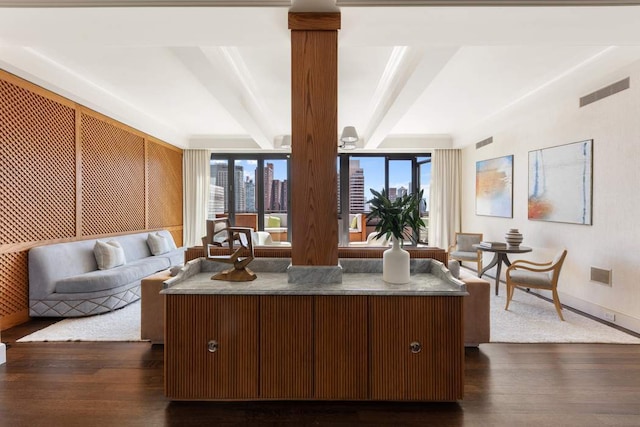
(532, 275)
(462, 249)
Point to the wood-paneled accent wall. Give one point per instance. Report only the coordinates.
(69, 173)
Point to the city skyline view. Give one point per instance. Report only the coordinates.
(365, 173)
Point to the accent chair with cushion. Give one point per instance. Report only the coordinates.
(357, 227)
(533, 275)
(462, 249)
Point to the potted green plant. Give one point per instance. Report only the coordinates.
(397, 220)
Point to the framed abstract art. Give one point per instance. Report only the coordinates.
(494, 187)
(560, 183)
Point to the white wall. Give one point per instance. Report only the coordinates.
(612, 241)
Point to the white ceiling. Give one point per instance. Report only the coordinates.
(219, 77)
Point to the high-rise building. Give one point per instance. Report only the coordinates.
(276, 194)
(220, 178)
(250, 193)
(267, 182)
(216, 201)
(356, 187)
(284, 196)
(238, 188)
(402, 191)
(393, 192)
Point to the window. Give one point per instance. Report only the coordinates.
(398, 174)
(246, 187)
(253, 189)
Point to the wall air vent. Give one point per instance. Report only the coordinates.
(605, 91)
(484, 142)
(601, 275)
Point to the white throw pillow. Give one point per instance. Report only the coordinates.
(108, 254)
(158, 244)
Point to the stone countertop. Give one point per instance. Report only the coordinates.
(352, 284)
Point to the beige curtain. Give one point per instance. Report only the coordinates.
(196, 177)
(444, 199)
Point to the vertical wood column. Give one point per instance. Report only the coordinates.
(314, 132)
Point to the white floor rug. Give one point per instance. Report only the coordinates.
(529, 320)
(120, 325)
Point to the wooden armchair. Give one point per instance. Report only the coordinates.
(534, 275)
(462, 249)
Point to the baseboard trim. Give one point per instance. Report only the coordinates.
(623, 322)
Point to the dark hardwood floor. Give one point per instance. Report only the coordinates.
(121, 384)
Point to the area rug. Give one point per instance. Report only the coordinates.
(120, 325)
(531, 319)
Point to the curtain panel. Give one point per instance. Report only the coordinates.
(197, 180)
(444, 198)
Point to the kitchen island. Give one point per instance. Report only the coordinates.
(362, 339)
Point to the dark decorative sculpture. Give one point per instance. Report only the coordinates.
(219, 233)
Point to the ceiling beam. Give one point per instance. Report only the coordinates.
(313, 4)
(408, 73)
(144, 3)
(223, 73)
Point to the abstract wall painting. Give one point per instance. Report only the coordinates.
(494, 187)
(560, 183)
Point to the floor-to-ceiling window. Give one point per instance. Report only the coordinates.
(398, 174)
(253, 190)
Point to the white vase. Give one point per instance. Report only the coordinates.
(395, 264)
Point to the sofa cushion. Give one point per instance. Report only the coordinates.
(354, 222)
(158, 244)
(108, 254)
(273, 221)
(101, 280)
(532, 277)
(454, 267)
(465, 256)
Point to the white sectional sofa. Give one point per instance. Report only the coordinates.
(64, 279)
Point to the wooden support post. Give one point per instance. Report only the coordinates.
(314, 133)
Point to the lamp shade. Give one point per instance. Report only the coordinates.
(349, 134)
(286, 141)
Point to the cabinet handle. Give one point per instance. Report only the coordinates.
(415, 347)
(212, 346)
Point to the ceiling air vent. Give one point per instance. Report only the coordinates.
(605, 91)
(484, 142)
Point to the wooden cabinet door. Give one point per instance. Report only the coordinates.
(286, 347)
(341, 351)
(211, 347)
(417, 349)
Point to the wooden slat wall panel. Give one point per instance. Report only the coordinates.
(45, 180)
(191, 371)
(286, 347)
(434, 374)
(113, 178)
(341, 355)
(37, 167)
(164, 167)
(15, 298)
